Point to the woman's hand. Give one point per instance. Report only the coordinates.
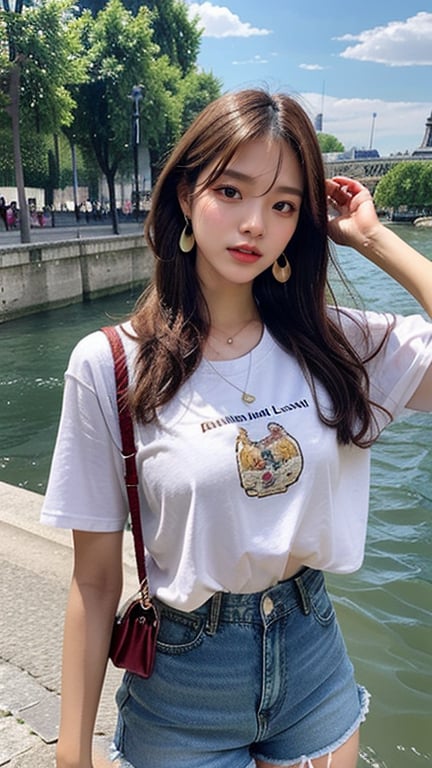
(355, 222)
(357, 226)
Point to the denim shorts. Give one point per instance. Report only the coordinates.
(263, 675)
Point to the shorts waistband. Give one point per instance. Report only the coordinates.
(256, 607)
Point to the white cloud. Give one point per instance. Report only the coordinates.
(219, 21)
(398, 44)
(255, 60)
(311, 67)
(399, 125)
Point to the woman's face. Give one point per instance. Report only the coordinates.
(246, 218)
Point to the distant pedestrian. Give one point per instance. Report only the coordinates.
(3, 213)
(12, 215)
(88, 209)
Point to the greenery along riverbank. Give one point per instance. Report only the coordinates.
(406, 188)
(75, 67)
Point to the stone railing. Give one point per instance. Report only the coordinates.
(42, 276)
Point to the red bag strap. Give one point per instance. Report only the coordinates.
(128, 449)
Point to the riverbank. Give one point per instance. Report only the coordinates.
(36, 564)
(49, 275)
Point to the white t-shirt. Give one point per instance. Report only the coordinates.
(229, 490)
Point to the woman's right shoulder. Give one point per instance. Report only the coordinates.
(92, 354)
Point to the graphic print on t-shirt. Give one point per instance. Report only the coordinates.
(270, 465)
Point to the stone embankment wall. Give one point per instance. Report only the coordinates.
(40, 276)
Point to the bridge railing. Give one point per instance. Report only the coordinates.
(369, 172)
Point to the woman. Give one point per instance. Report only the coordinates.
(255, 404)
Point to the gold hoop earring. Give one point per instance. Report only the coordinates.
(187, 240)
(281, 273)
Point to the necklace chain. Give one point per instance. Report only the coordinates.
(230, 339)
(246, 396)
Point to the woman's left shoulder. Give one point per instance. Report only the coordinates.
(373, 323)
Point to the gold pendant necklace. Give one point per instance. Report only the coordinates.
(246, 396)
(230, 339)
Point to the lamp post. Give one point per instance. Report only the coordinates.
(374, 116)
(136, 96)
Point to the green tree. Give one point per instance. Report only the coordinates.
(329, 143)
(38, 57)
(425, 186)
(178, 40)
(176, 35)
(189, 96)
(119, 53)
(154, 45)
(34, 151)
(409, 183)
(197, 89)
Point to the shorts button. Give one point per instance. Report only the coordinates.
(268, 605)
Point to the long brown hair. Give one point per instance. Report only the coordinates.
(172, 321)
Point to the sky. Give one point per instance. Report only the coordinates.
(367, 66)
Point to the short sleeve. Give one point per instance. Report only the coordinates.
(397, 351)
(398, 370)
(86, 488)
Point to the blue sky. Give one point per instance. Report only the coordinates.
(349, 60)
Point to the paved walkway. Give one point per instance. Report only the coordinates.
(35, 568)
(70, 231)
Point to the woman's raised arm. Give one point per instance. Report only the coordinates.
(358, 226)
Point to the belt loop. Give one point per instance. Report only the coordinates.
(304, 595)
(213, 614)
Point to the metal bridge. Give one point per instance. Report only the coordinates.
(368, 171)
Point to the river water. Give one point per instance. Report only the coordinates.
(385, 608)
